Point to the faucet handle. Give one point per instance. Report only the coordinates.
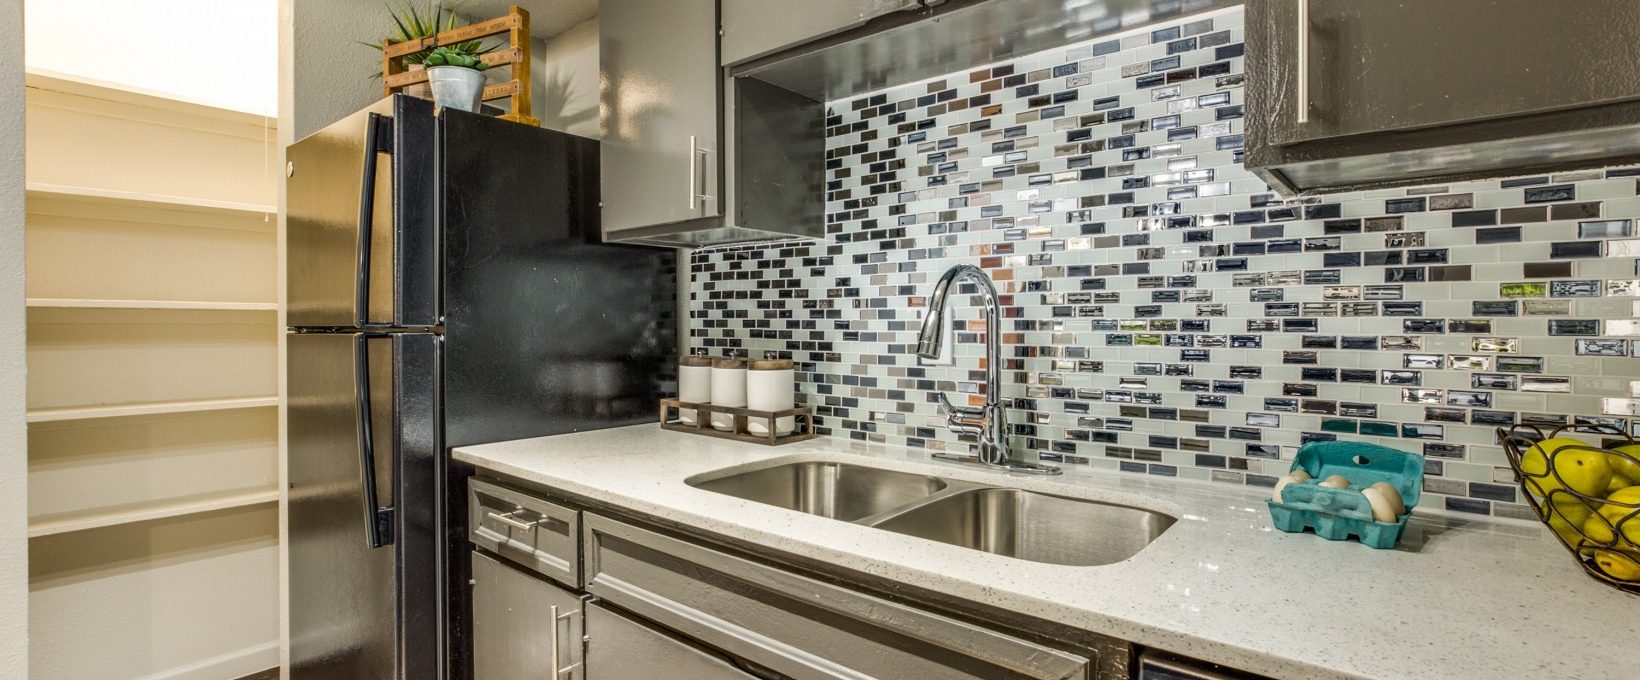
(963, 420)
(954, 412)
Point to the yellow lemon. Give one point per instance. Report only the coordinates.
(1628, 467)
(1621, 566)
(1565, 517)
(1586, 471)
(1599, 527)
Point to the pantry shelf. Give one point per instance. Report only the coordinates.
(78, 303)
(150, 408)
(134, 199)
(63, 524)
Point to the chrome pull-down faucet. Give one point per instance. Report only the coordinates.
(987, 424)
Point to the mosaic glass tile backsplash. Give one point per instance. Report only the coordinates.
(1164, 312)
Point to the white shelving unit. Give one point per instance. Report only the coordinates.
(153, 324)
(118, 516)
(71, 303)
(132, 200)
(149, 409)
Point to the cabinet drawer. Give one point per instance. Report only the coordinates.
(537, 534)
(794, 625)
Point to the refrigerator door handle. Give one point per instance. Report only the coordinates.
(378, 139)
(378, 520)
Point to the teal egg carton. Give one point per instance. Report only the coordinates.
(1338, 514)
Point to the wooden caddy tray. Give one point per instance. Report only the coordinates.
(803, 428)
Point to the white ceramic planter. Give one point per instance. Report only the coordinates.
(456, 87)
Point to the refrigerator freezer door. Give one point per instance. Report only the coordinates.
(359, 612)
(362, 249)
(546, 331)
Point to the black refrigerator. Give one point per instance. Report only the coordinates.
(445, 287)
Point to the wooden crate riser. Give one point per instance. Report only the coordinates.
(408, 78)
(515, 26)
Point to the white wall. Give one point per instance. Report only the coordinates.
(566, 80)
(225, 52)
(13, 431)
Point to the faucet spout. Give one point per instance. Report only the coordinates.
(991, 428)
(989, 424)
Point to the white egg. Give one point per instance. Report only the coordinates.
(1392, 495)
(1282, 483)
(1299, 474)
(1382, 509)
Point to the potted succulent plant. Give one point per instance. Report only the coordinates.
(411, 22)
(457, 76)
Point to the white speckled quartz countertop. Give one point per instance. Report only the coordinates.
(1461, 598)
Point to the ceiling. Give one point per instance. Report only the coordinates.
(547, 17)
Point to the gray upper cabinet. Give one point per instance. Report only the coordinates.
(1343, 94)
(661, 131)
(756, 28)
(693, 155)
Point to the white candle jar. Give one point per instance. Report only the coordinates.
(770, 386)
(728, 389)
(694, 385)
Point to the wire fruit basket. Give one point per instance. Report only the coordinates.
(1588, 496)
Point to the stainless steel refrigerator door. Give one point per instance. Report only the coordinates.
(366, 180)
(364, 574)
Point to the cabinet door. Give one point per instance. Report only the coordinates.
(619, 648)
(660, 108)
(754, 28)
(1334, 68)
(523, 627)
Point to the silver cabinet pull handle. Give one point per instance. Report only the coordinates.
(1303, 61)
(696, 183)
(558, 669)
(701, 155)
(510, 519)
(694, 160)
(552, 647)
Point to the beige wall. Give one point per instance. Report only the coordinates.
(13, 432)
(566, 80)
(324, 72)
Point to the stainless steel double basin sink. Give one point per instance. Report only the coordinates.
(1014, 523)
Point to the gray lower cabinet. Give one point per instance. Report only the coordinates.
(793, 625)
(637, 603)
(619, 648)
(524, 628)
